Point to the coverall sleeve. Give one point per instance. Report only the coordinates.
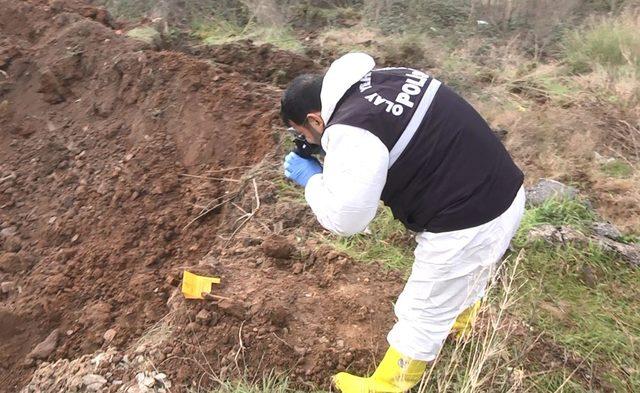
(345, 196)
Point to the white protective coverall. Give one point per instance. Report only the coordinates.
(451, 269)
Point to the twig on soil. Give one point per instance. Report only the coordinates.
(211, 178)
(209, 296)
(281, 340)
(231, 195)
(8, 177)
(208, 210)
(241, 346)
(246, 217)
(233, 168)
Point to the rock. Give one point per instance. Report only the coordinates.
(233, 308)
(279, 316)
(148, 381)
(146, 34)
(629, 252)
(547, 189)
(103, 188)
(554, 235)
(45, 348)
(606, 229)
(7, 286)
(191, 327)
(12, 262)
(567, 235)
(8, 231)
(297, 268)
(109, 335)
(203, 316)
(93, 382)
(12, 243)
(278, 247)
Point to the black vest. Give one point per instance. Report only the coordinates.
(448, 171)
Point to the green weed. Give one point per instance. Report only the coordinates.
(270, 385)
(146, 34)
(129, 9)
(288, 190)
(617, 168)
(557, 212)
(584, 299)
(610, 43)
(216, 31)
(387, 242)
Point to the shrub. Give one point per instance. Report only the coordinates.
(611, 43)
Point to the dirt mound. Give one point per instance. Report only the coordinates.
(110, 150)
(264, 63)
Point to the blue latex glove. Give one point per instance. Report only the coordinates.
(300, 169)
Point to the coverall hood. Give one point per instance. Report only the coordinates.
(342, 74)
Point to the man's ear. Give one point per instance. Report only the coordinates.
(315, 120)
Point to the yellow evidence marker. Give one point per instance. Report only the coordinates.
(193, 285)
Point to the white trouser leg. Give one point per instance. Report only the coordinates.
(450, 273)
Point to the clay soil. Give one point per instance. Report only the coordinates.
(110, 151)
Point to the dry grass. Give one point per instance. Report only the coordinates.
(482, 362)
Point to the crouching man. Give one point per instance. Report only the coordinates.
(399, 135)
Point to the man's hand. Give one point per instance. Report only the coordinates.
(300, 169)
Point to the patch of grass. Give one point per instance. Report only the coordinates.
(630, 238)
(288, 190)
(543, 83)
(218, 31)
(610, 43)
(271, 385)
(557, 212)
(145, 34)
(387, 242)
(129, 9)
(553, 381)
(584, 299)
(617, 168)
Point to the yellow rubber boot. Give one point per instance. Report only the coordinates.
(463, 325)
(395, 373)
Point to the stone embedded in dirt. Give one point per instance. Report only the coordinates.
(567, 235)
(97, 313)
(12, 244)
(203, 316)
(192, 327)
(12, 262)
(8, 231)
(46, 347)
(629, 252)
(297, 268)
(547, 189)
(552, 234)
(278, 247)
(606, 229)
(232, 307)
(7, 286)
(109, 335)
(93, 382)
(279, 316)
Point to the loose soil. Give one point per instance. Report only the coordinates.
(110, 149)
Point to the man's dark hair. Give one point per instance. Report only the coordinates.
(301, 98)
